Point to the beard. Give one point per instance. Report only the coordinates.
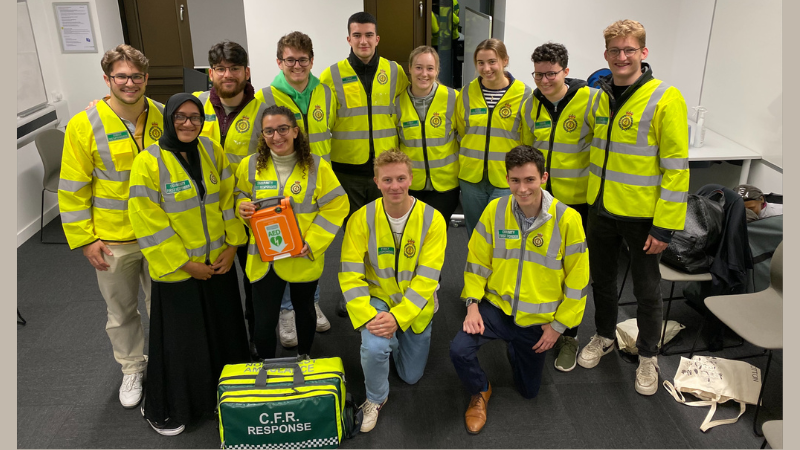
(124, 100)
(229, 93)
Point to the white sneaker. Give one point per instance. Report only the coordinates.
(286, 329)
(371, 411)
(647, 375)
(594, 350)
(322, 322)
(436, 299)
(130, 393)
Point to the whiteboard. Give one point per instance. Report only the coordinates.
(743, 85)
(477, 28)
(31, 94)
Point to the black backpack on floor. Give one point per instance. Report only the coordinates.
(692, 249)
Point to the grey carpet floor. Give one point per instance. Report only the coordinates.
(67, 379)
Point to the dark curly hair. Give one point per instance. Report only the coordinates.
(524, 154)
(301, 146)
(552, 53)
(227, 51)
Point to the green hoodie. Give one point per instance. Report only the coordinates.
(302, 99)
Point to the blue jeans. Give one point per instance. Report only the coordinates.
(475, 197)
(409, 350)
(286, 301)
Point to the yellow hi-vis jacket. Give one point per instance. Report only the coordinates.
(537, 277)
(405, 277)
(242, 137)
(320, 212)
(430, 141)
(565, 142)
(316, 124)
(175, 226)
(639, 161)
(486, 138)
(95, 171)
(356, 120)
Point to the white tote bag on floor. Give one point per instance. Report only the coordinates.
(714, 381)
(628, 331)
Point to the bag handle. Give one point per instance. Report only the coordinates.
(707, 422)
(298, 379)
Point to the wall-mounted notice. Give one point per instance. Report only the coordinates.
(74, 24)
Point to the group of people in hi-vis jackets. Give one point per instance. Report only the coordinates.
(160, 196)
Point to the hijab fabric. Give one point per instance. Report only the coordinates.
(169, 140)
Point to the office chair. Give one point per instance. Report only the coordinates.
(50, 144)
(773, 434)
(756, 317)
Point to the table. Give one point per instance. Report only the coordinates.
(719, 148)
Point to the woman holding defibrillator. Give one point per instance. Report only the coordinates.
(284, 166)
(181, 207)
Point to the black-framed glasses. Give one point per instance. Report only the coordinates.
(181, 118)
(283, 130)
(235, 70)
(629, 51)
(550, 75)
(137, 78)
(304, 62)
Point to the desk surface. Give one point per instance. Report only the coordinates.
(719, 148)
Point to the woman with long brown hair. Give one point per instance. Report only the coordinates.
(284, 166)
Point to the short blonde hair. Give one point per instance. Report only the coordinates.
(496, 45)
(421, 50)
(124, 52)
(392, 156)
(623, 28)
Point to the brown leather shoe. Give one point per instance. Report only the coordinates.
(475, 418)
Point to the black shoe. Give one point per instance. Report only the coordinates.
(166, 428)
(341, 308)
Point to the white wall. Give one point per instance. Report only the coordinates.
(78, 78)
(213, 21)
(323, 20)
(677, 36)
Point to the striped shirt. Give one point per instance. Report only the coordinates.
(492, 96)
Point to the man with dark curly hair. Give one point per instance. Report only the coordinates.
(557, 120)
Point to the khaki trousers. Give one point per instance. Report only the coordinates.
(119, 286)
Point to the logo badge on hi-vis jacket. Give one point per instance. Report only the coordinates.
(296, 187)
(626, 121)
(318, 115)
(409, 249)
(276, 242)
(436, 120)
(538, 240)
(505, 111)
(212, 178)
(570, 124)
(155, 132)
(243, 124)
(382, 77)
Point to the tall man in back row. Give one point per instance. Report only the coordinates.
(638, 189)
(365, 87)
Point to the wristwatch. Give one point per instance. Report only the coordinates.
(471, 301)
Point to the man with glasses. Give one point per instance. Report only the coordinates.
(557, 120)
(365, 87)
(638, 189)
(232, 119)
(99, 147)
(311, 102)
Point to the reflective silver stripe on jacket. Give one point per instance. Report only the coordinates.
(356, 135)
(389, 272)
(203, 97)
(626, 178)
(159, 106)
(500, 251)
(72, 186)
(104, 150)
(432, 142)
(345, 111)
(269, 97)
(156, 239)
(478, 270)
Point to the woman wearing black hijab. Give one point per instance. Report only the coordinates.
(181, 209)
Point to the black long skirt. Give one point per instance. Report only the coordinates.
(196, 327)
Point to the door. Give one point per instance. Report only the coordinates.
(160, 30)
(403, 25)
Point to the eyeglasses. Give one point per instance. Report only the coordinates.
(180, 119)
(138, 78)
(235, 70)
(283, 130)
(291, 61)
(614, 52)
(550, 75)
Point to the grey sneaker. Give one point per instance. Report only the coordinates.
(371, 411)
(323, 324)
(647, 375)
(286, 329)
(594, 350)
(130, 392)
(567, 348)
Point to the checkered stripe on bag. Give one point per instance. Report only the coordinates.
(311, 443)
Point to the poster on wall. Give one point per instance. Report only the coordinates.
(74, 24)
